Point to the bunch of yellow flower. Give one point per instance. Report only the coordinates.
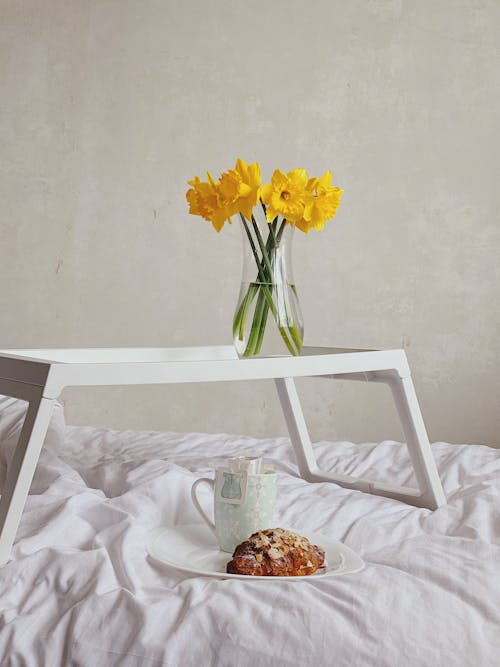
(267, 294)
(302, 201)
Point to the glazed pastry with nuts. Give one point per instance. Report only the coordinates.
(276, 552)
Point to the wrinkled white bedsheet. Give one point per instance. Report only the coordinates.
(80, 589)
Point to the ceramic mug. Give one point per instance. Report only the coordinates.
(243, 501)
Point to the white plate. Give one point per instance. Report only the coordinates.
(194, 549)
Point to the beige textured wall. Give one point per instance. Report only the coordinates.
(107, 107)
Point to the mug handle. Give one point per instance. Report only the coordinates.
(196, 503)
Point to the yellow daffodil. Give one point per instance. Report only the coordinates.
(226, 192)
(286, 195)
(236, 191)
(203, 200)
(231, 187)
(250, 176)
(324, 203)
(302, 224)
(214, 201)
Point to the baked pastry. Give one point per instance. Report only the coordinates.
(276, 552)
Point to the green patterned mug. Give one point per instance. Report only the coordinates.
(243, 504)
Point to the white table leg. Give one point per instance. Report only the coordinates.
(297, 428)
(430, 493)
(22, 467)
(417, 441)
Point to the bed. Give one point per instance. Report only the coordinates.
(81, 590)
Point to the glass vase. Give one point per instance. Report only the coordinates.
(268, 320)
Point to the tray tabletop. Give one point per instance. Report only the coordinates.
(54, 369)
(138, 355)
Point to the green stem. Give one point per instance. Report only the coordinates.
(262, 328)
(283, 330)
(240, 317)
(247, 302)
(272, 233)
(291, 328)
(262, 275)
(281, 230)
(265, 273)
(263, 250)
(297, 338)
(255, 331)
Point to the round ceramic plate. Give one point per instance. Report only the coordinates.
(194, 549)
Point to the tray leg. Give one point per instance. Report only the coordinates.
(429, 494)
(21, 469)
(417, 441)
(297, 428)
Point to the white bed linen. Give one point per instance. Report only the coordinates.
(80, 589)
